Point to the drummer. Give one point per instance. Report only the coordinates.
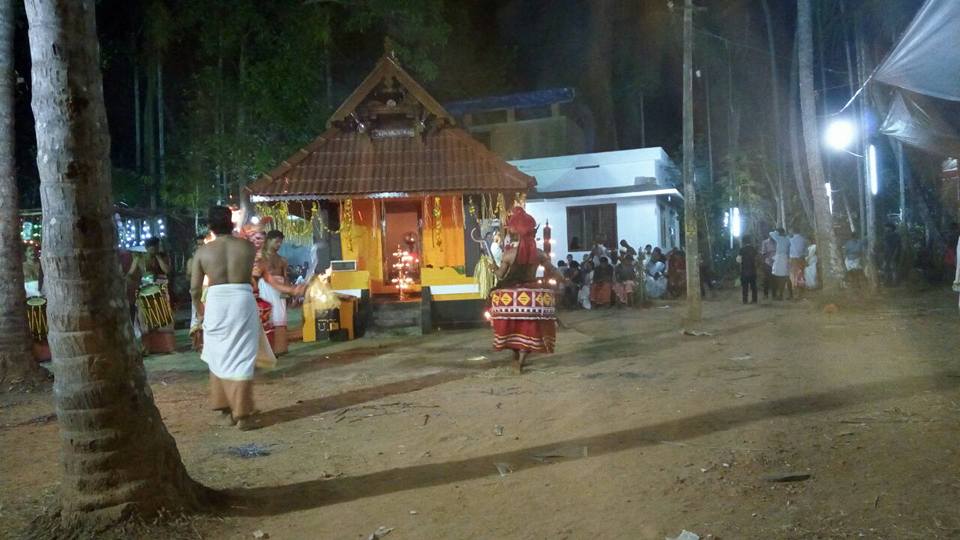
(153, 266)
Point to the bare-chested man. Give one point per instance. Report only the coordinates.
(231, 325)
(273, 286)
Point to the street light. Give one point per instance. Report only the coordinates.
(840, 134)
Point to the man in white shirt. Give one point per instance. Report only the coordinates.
(781, 269)
(798, 253)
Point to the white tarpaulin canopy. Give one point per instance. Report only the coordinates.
(925, 123)
(927, 59)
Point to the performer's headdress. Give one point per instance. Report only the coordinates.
(525, 227)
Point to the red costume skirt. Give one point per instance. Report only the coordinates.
(264, 308)
(524, 319)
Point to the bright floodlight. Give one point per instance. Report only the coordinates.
(735, 223)
(840, 134)
(872, 169)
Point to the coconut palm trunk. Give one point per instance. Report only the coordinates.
(16, 359)
(117, 456)
(826, 240)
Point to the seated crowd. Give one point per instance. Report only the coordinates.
(606, 278)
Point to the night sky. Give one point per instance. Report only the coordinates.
(609, 50)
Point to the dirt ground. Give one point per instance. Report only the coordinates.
(786, 422)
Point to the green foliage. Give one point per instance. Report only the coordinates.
(247, 83)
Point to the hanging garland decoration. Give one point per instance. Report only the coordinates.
(520, 199)
(295, 230)
(501, 209)
(471, 206)
(346, 221)
(437, 222)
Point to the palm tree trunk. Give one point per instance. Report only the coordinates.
(799, 175)
(16, 359)
(777, 131)
(826, 241)
(117, 456)
(870, 261)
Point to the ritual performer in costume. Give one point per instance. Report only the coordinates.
(256, 235)
(231, 325)
(523, 311)
(150, 272)
(274, 288)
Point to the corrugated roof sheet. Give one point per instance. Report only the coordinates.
(535, 98)
(339, 164)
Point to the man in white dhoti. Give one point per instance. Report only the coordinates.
(231, 323)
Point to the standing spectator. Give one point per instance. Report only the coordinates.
(676, 273)
(627, 249)
(853, 261)
(798, 254)
(781, 269)
(571, 287)
(586, 274)
(599, 250)
(891, 255)
(950, 256)
(956, 272)
(626, 274)
(602, 286)
(768, 248)
(748, 269)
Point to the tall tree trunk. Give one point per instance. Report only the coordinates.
(799, 175)
(694, 302)
(706, 84)
(161, 133)
(777, 130)
(241, 116)
(16, 359)
(827, 161)
(870, 261)
(862, 211)
(137, 132)
(117, 456)
(598, 72)
(827, 244)
(150, 136)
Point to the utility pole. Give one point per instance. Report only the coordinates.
(694, 302)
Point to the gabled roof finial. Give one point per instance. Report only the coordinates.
(389, 49)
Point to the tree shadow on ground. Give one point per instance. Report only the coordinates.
(273, 500)
(311, 407)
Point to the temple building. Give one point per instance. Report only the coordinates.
(404, 190)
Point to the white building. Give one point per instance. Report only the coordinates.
(625, 194)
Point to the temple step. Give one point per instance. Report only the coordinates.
(395, 319)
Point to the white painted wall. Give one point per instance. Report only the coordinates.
(638, 220)
(598, 170)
